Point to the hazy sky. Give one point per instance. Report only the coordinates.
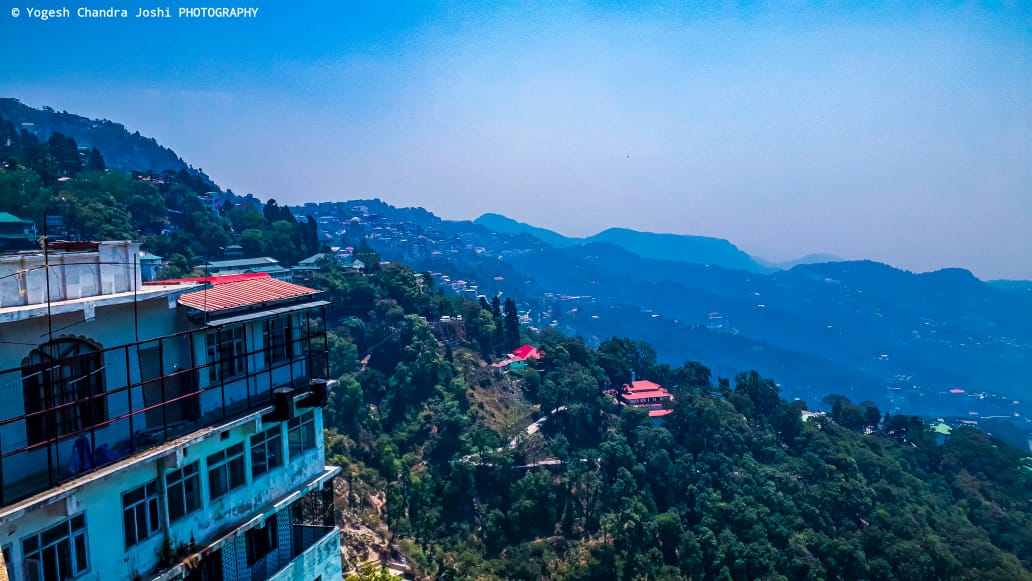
(900, 132)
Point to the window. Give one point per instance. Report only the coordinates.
(225, 470)
(266, 451)
(301, 434)
(226, 353)
(8, 563)
(183, 489)
(65, 377)
(277, 340)
(262, 540)
(140, 513)
(57, 553)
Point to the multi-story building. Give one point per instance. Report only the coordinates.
(167, 431)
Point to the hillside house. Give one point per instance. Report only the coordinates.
(648, 396)
(248, 265)
(16, 233)
(519, 357)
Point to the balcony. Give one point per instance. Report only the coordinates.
(300, 541)
(70, 409)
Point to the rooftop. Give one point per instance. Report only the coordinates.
(642, 385)
(5, 218)
(243, 262)
(243, 293)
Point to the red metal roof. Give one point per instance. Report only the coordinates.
(636, 386)
(242, 293)
(659, 413)
(526, 352)
(214, 279)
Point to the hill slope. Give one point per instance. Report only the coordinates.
(120, 148)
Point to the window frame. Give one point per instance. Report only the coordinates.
(178, 479)
(222, 466)
(277, 339)
(150, 504)
(304, 428)
(72, 534)
(226, 350)
(260, 444)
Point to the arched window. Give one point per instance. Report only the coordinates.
(65, 379)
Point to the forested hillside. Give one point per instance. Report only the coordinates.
(122, 149)
(731, 485)
(179, 215)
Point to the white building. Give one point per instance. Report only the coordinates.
(160, 431)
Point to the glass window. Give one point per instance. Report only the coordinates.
(266, 451)
(140, 513)
(301, 434)
(276, 338)
(183, 489)
(57, 553)
(59, 373)
(226, 353)
(225, 470)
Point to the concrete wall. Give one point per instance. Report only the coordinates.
(72, 274)
(99, 495)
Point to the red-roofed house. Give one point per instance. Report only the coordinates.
(525, 352)
(646, 395)
(519, 357)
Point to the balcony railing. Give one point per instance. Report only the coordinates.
(63, 417)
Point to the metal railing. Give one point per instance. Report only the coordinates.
(151, 392)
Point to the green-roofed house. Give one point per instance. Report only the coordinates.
(17, 233)
(245, 265)
(306, 269)
(150, 264)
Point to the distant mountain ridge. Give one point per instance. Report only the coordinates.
(672, 247)
(120, 148)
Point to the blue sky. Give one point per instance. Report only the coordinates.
(900, 132)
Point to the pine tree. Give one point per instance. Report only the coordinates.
(511, 325)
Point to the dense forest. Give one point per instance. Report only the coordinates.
(179, 215)
(732, 485)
